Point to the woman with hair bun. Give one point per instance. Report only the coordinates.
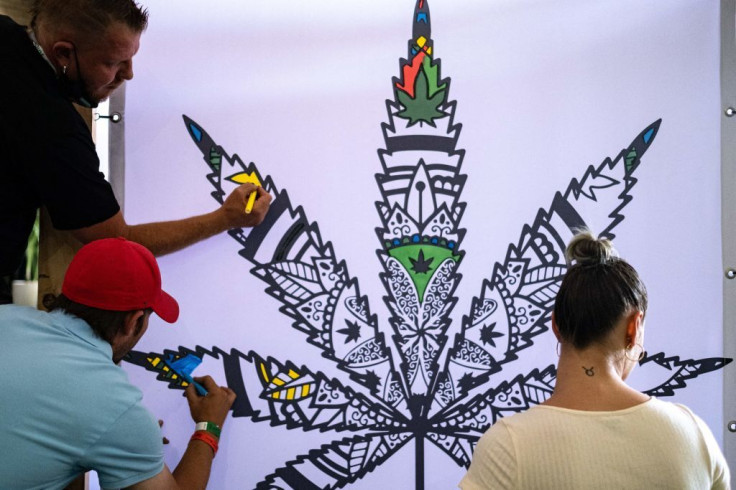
(595, 431)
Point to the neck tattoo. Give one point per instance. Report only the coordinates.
(589, 371)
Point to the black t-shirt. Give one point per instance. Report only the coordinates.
(47, 157)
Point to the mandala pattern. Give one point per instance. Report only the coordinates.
(436, 391)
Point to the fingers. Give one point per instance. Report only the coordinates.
(246, 189)
(213, 407)
(261, 205)
(191, 393)
(160, 425)
(212, 388)
(231, 396)
(207, 381)
(263, 197)
(238, 213)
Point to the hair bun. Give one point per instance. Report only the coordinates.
(585, 248)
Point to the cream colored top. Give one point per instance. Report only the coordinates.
(654, 445)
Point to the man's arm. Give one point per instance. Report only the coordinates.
(193, 470)
(169, 236)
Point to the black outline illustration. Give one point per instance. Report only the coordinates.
(437, 390)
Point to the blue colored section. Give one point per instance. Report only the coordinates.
(184, 367)
(422, 17)
(196, 132)
(648, 135)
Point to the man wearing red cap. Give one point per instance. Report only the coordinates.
(67, 408)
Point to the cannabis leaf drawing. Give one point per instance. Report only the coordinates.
(423, 105)
(420, 265)
(352, 331)
(438, 389)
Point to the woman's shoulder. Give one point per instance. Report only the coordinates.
(673, 410)
(534, 416)
(652, 411)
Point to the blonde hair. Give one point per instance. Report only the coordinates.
(585, 248)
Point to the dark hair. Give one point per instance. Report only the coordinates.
(89, 18)
(105, 323)
(598, 289)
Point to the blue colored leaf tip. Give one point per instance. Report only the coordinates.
(196, 132)
(648, 135)
(421, 21)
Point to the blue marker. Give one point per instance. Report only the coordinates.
(184, 367)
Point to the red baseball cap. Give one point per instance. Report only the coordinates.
(118, 275)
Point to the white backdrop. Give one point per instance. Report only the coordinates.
(543, 90)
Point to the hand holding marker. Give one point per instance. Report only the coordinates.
(247, 178)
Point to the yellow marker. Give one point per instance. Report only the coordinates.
(247, 178)
(251, 202)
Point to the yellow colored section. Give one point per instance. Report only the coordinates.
(174, 376)
(293, 374)
(154, 362)
(429, 51)
(184, 383)
(264, 372)
(245, 178)
(166, 368)
(278, 382)
(276, 395)
(305, 391)
(290, 394)
(421, 41)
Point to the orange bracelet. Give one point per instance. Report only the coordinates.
(207, 438)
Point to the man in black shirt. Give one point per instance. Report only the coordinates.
(77, 51)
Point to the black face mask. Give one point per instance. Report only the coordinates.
(76, 90)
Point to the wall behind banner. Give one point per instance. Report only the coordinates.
(543, 91)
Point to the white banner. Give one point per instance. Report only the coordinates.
(428, 167)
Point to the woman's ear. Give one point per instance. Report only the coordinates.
(555, 329)
(634, 327)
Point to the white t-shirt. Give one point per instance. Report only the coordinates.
(654, 445)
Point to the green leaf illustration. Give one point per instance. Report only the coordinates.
(423, 107)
